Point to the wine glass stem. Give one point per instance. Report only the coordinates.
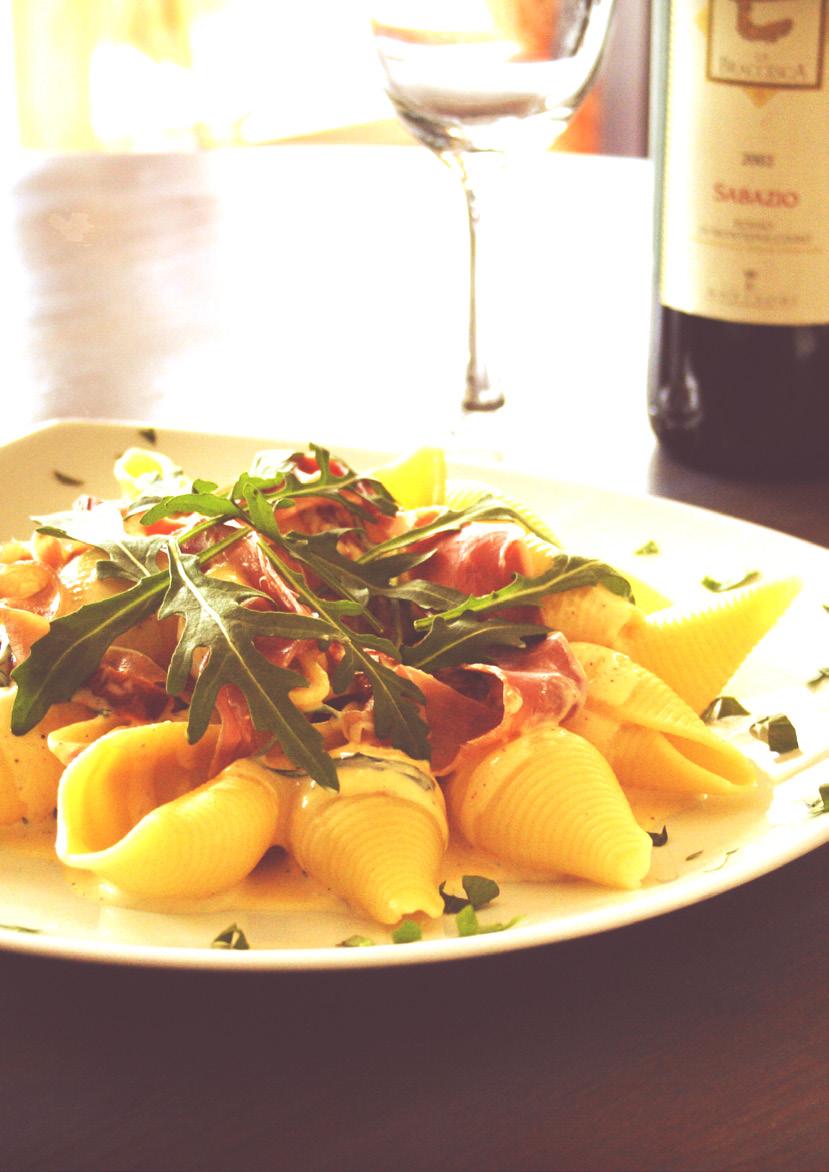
(481, 393)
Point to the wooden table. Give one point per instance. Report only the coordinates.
(318, 293)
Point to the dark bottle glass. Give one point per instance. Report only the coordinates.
(741, 396)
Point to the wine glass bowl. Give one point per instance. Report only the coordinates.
(472, 78)
(508, 73)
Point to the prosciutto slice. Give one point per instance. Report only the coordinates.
(481, 557)
(472, 709)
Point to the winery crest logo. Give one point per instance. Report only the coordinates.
(766, 45)
(769, 32)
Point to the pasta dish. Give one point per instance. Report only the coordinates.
(355, 669)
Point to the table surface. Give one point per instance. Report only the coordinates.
(318, 293)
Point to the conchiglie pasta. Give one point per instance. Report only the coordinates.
(592, 614)
(379, 841)
(650, 737)
(548, 800)
(135, 808)
(415, 480)
(697, 650)
(29, 774)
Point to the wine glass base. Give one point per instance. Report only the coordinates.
(478, 400)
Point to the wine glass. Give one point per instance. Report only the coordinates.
(474, 79)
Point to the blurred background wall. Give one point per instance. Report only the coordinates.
(162, 75)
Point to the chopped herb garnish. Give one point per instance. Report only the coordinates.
(479, 892)
(725, 858)
(149, 434)
(21, 928)
(816, 681)
(732, 584)
(659, 837)
(407, 932)
(650, 547)
(232, 937)
(468, 924)
(65, 478)
(777, 732)
(356, 941)
(691, 857)
(821, 804)
(721, 707)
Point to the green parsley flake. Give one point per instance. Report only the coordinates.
(356, 941)
(468, 924)
(720, 587)
(650, 547)
(721, 707)
(777, 732)
(233, 937)
(479, 892)
(65, 478)
(407, 932)
(821, 804)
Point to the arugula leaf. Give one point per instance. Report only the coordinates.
(486, 509)
(777, 732)
(216, 620)
(397, 700)
(205, 502)
(72, 649)
(232, 937)
(720, 707)
(465, 640)
(720, 587)
(132, 557)
(566, 572)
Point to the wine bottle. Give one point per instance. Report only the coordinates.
(739, 372)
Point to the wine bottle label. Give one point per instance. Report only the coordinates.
(745, 196)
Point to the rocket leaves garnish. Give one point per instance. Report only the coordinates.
(217, 621)
(131, 557)
(71, 651)
(565, 573)
(465, 640)
(360, 600)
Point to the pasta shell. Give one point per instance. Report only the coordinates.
(649, 735)
(698, 650)
(29, 774)
(415, 480)
(592, 614)
(549, 801)
(135, 809)
(379, 841)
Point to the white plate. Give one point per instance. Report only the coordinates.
(711, 847)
